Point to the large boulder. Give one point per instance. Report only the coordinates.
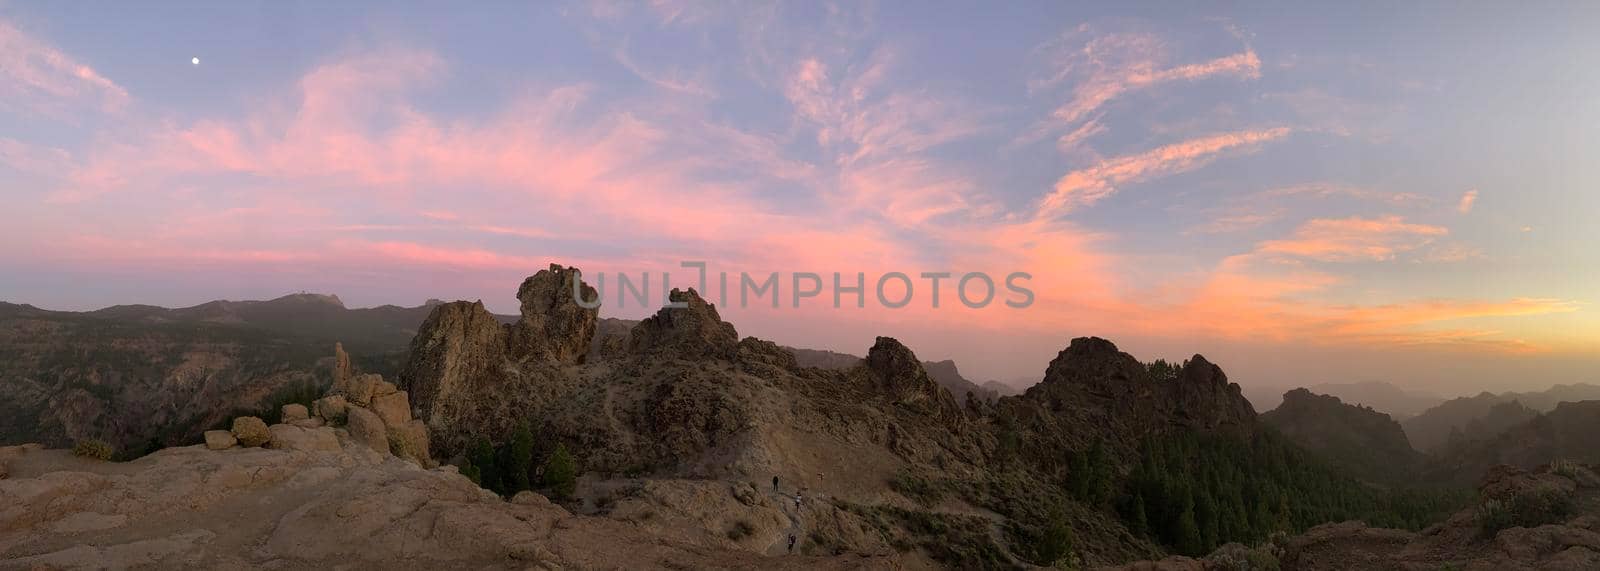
(293, 412)
(694, 331)
(330, 408)
(367, 429)
(360, 389)
(393, 408)
(410, 441)
(251, 431)
(220, 440)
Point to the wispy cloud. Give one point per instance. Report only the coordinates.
(39, 77)
(1354, 239)
(1089, 185)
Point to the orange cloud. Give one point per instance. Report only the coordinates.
(1353, 239)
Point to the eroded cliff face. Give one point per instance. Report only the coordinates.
(473, 377)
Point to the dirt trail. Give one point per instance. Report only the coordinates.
(786, 505)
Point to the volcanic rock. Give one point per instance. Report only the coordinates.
(553, 326)
(692, 332)
(220, 440)
(368, 429)
(293, 412)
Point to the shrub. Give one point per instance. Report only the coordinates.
(916, 488)
(1564, 467)
(740, 530)
(93, 449)
(1528, 508)
(561, 473)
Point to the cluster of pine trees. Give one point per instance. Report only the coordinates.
(512, 467)
(1192, 493)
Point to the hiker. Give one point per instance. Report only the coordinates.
(797, 500)
(791, 543)
(774, 484)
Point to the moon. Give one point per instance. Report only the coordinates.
(195, 61)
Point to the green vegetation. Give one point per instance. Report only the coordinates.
(1193, 493)
(961, 541)
(1055, 547)
(482, 458)
(917, 488)
(1541, 505)
(519, 461)
(561, 473)
(740, 530)
(1161, 370)
(93, 449)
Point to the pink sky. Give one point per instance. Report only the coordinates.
(1208, 185)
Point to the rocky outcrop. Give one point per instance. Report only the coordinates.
(470, 376)
(899, 374)
(1360, 440)
(692, 332)
(553, 326)
(1566, 433)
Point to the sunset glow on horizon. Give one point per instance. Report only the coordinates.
(1303, 194)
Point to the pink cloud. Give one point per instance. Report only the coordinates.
(1089, 185)
(36, 75)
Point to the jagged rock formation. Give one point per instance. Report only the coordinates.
(1092, 390)
(1365, 442)
(694, 331)
(474, 377)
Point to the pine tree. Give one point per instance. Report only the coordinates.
(1139, 523)
(1189, 540)
(561, 473)
(472, 472)
(521, 460)
(483, 457)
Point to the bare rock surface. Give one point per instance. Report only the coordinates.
(258, 508)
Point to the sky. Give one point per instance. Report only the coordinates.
(1304, 194)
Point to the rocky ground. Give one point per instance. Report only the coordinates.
(353, 508)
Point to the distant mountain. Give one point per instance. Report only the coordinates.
(141, 376)
(1363, 441)
(1432, 429)
(1565, 433)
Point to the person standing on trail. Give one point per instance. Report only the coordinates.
(797, 500)
(774, 484)
(791, 543)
